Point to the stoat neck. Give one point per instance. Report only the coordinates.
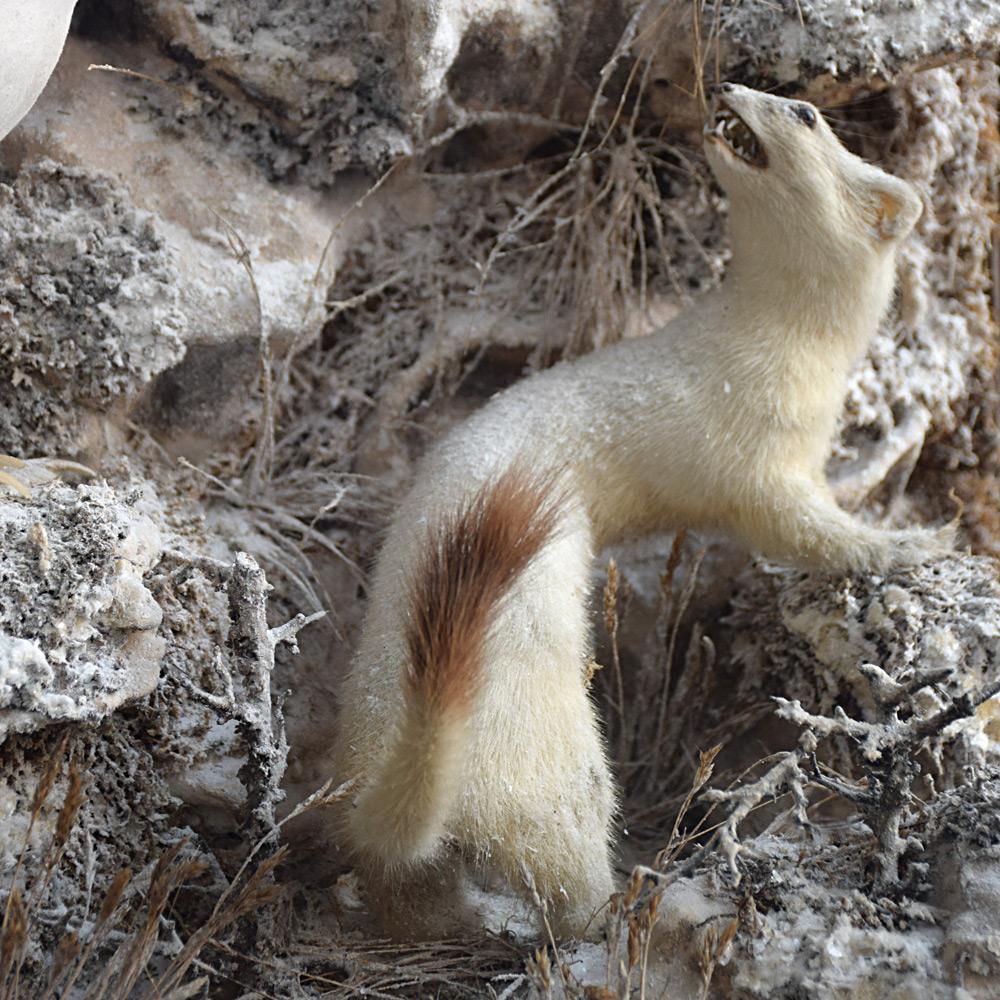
(830, 288)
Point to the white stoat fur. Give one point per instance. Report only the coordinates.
(722, 419)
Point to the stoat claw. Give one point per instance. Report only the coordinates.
(914, 546)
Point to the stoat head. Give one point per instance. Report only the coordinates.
(779, 160)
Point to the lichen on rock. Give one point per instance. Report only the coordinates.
(941, 331)
(850, 40)
(304, 90)
(814, 632)
(87, 303)
(78, 627)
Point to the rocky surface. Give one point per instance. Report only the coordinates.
(941, 332)
(303, 241)
(88, 304)
(822, 41)
(239, 263)
(78, 630)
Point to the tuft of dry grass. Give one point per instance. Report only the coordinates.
(346, 966)
(593, 237)
(591, 241)
(109, 956)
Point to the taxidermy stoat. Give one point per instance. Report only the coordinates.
(465, 716)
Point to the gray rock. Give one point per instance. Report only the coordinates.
(77, 625)
(88, 303)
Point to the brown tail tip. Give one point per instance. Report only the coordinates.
(469, 562)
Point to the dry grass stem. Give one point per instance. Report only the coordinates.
(263, 455)
(189, 97)
(13, 940)
(611, 625)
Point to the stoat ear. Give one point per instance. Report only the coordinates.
(892, 207)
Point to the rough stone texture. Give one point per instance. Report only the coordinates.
(113, 621)
(810, 634)
(795, 882)
(941, 330)
(88, 303)
(214, 218)
(812, 931)
(78, 627)
(307, 88)
(126, 819)
(851, 40)
(827, 51)
(199, 753)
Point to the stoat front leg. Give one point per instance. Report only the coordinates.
(798, 521)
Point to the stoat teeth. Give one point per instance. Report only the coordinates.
(738, 136)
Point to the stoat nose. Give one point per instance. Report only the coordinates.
(722, 88)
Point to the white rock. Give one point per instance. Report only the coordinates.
(30, 44)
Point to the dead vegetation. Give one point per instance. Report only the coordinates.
(599, 230)
(107, 955)
(602, 226)
(891, 827)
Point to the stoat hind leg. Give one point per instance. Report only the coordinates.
(801, 522)
(540, 800)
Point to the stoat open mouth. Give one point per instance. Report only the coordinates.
(738, 137)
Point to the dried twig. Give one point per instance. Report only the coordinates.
(259, 720)
(259, 717)
(611, 623)
(890, 748)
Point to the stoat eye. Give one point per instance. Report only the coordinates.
(806, 114)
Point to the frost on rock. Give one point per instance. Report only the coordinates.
(314, 83)
(78, 627)
(941, 331)
(87, 304)
(843, 40)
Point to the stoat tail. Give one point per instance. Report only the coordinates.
(468, 564)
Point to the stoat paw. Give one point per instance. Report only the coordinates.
(916, 546)
(882, 551)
